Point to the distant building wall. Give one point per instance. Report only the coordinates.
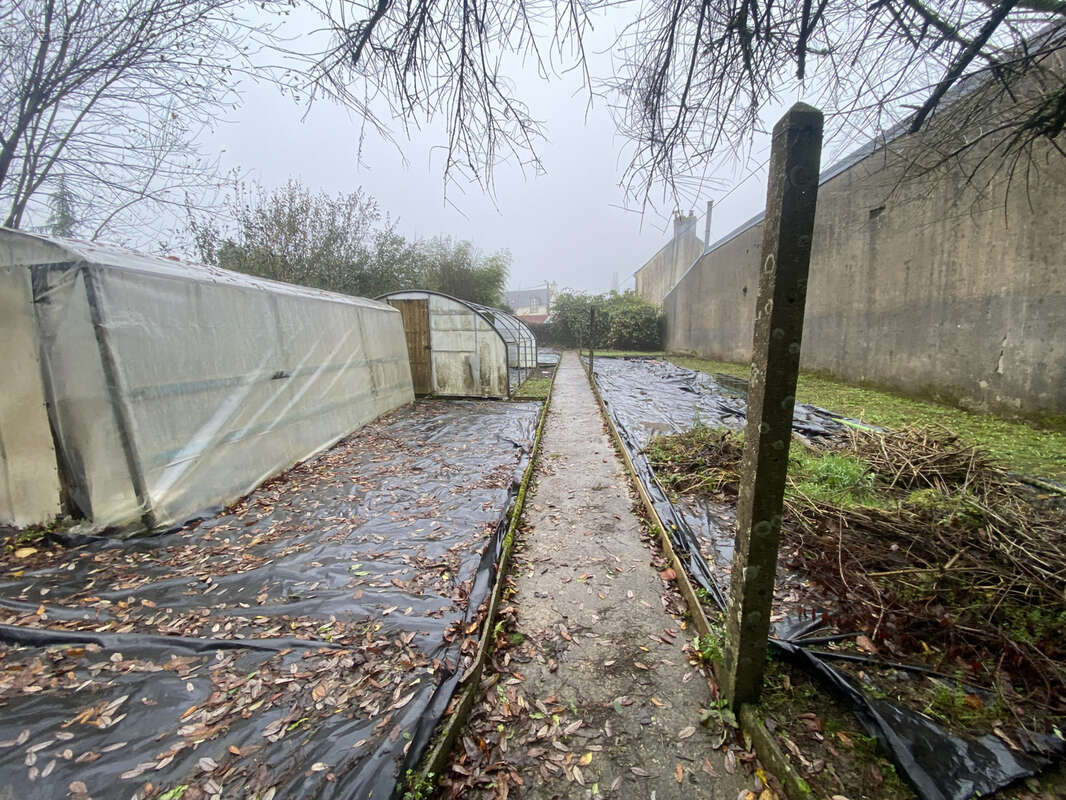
(532, 305)
(666, 267)
(931, 286)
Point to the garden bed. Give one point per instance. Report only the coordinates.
(303, 642)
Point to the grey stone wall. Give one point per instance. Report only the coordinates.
(932, 284)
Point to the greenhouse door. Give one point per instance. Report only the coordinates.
(415, 315)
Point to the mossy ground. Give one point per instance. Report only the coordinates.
(824, 740)
(533, 389)
(1033, 448)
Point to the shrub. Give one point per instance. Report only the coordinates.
(622, 322)
(636, 327)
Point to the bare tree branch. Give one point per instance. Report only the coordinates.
(691, 79)
(109, 99)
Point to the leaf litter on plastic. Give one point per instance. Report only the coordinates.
(303, 642)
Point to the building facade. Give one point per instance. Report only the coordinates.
(532, 305)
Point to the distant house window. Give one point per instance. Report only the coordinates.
(534, 304)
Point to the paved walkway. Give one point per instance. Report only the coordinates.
(594, 696)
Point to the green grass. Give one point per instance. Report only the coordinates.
(953, 706)
(1035, 448)
(831, 478)
(533, 389)
(706, 459)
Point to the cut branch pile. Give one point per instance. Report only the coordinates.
(950, 562)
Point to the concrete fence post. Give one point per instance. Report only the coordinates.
(592, 339)
(790, 204)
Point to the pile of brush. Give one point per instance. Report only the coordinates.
(924, 544)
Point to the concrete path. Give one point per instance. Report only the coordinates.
(592, 694)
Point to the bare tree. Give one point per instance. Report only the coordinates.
(690, 79)
(105, 100)
(343, 243)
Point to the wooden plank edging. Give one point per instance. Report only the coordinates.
(751, 724)
(433, 763)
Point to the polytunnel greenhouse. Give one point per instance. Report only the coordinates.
(143, 390)
(462, 349)
(521, 343)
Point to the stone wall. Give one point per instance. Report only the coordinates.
(943, 282)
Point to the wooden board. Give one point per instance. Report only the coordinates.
(415, 315)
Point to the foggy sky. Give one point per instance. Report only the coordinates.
(573, 224)
(569, 225)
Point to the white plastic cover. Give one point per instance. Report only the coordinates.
(29, 482)
(521, 343)
(177, 387)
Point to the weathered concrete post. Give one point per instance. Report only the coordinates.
(790, 204)
(592, 325)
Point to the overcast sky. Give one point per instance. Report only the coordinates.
(573, 224)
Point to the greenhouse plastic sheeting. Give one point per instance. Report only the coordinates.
(307, 640)
(29, 480)
(648, 398)
(177, 387)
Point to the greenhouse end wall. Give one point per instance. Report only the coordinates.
(176, 387)
(468, 356)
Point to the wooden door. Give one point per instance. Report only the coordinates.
(415, 315)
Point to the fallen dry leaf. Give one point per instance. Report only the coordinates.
(679, 773)
(812, 722)
(730, 762)
(865, 643)
(684, 733)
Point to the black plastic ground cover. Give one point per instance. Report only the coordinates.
(650, 397)
(302, 644)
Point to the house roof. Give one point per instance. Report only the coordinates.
(520, 298)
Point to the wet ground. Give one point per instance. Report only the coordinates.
(301, 643)
(592, 693)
